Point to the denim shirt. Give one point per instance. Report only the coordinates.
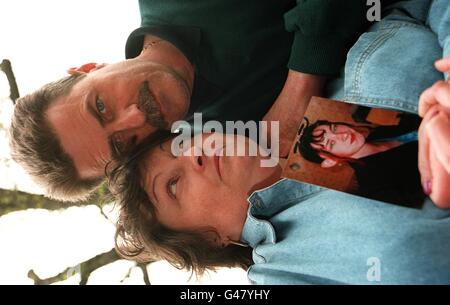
(304, 234)
(393, 62)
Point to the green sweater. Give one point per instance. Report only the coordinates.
(242, 49)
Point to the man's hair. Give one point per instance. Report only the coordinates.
(139, 235)
(36, 147)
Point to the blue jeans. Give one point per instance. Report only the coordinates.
(393, 62)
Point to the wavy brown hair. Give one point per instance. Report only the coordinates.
(139, 235)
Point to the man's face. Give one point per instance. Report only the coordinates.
(111, 109)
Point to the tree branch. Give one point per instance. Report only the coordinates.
(5, 66)
(85, 269)
(14, 200)
(145, 272)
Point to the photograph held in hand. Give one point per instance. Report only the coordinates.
(368, 152)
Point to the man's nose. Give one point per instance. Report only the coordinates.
(130, 117)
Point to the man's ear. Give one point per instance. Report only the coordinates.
(86, 68)
(327, 163)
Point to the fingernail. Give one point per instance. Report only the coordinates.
(427, 187)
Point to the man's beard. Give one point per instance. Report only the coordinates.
(148, 105)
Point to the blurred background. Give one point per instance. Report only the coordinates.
(47, 242)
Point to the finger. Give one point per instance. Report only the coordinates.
(439, 93)
(443, 64)
(427, 99)
(443, 96)
(424, 159)
(440, 193)
(438, 131)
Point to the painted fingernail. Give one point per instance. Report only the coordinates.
(427, 187)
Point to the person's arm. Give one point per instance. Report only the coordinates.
(434, 139)
(290, 106)
(324, 31)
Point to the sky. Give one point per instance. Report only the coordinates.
(43, 39)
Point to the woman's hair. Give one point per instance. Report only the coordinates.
(308, 137)
(139, 235)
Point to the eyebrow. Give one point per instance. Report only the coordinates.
(112, 147)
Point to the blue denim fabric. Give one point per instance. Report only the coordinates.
(304, 234)
(439, 21)
(393, 63)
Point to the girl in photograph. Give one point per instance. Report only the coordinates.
(384, 158)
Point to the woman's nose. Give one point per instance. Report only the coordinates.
(342, 136)
(338, 136)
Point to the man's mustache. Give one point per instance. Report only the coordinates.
(148, 105)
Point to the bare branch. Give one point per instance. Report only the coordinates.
(128, 274)
(14, 200)
(5, 66)
(57, 278)
(145, 272)
(85, 268)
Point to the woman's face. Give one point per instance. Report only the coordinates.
(338, 139)
(197, 192)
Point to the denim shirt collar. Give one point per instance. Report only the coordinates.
(268, 202)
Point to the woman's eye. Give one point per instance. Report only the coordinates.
(100, 106)
(173, 187)
(119, 146)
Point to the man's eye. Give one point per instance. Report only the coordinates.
(172, 187)
(119, 146)
(100, 106)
